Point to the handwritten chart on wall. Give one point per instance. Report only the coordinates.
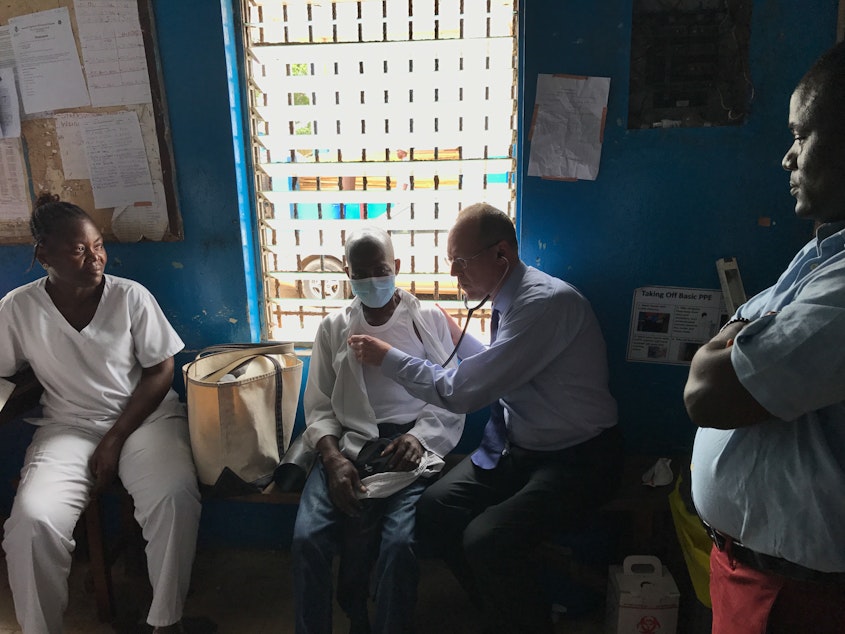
(82, 115)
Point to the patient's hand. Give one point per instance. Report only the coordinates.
(343, 484)
(368, 350)
(407, 452)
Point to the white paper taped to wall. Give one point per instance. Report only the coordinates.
(132, 223)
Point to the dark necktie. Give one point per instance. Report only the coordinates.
(494, 438)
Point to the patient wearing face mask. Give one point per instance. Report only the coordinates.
(378, 448)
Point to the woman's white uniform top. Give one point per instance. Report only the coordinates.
(88, 375)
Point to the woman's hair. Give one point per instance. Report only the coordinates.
(50, 214)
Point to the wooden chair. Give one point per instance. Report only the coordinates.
(103, 552)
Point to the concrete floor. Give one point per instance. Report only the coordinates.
(249, 592)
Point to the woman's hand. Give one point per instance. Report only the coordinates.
(368, 350)
(104, 461)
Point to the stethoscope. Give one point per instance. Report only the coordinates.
(470, 311)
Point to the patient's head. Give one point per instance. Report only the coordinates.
(371, 266)
(369, 253)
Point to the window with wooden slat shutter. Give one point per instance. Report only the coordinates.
(373, 112)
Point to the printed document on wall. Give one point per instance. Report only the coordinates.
(568, 127)
(49, 71)
(14, 199)
(117, 160)
(10, 114)
(72, 145)
(668, 324)
(7, 53)
(113, 52)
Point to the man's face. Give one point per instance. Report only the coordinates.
(473, 263)
(370, 261)
(816, 159)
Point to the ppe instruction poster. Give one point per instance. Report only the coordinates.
(669, 323)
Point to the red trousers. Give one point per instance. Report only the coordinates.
(747, 601)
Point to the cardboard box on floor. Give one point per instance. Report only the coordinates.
(642, 598)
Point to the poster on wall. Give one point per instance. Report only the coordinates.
(669, 323)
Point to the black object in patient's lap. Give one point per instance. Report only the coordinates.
(370, 461)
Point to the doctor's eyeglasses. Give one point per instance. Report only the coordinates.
(462, 263)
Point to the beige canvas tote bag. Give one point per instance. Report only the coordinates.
(242, 401)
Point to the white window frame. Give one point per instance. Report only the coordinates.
(394, 114)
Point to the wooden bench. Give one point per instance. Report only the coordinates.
(644, 509)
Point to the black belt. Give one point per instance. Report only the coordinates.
(392, 430)
(771, 564)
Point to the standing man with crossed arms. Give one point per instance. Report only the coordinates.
(768, 394)
(551, 449)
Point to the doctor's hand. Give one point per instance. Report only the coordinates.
(368, 350)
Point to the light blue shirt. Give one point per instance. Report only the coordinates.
(547, 367)
(779, 486)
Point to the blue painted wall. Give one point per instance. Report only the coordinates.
(199, 282)
(666, 205)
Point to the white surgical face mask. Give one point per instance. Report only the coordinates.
(374, 292)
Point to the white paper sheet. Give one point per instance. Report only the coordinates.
(7, 53)
(132, 223)
(113, 52)
(117, 160)
(72, 145)
(48, 65)
(568, 127)
(14, 200)
(10, 114)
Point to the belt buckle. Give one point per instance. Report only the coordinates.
(718, 539)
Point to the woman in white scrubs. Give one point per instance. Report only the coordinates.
(103, 350)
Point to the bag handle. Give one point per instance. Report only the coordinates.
(233, 365)
(646, 565)
(280, 432)
(232, 358)
(271, 347)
